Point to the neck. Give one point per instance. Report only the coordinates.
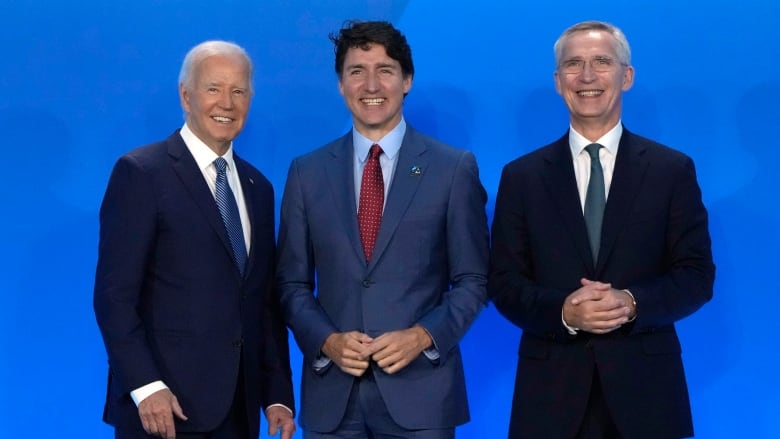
(593, 130)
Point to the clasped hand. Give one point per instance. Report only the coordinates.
(598, 308)
(392, 351)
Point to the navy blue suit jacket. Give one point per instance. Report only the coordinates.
(429, 267)
(655, 242)
(169, 300)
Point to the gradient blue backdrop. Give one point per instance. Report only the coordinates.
(84, 81)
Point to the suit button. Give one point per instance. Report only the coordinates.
(238, 343)
(367, 283)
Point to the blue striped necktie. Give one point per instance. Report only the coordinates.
(228, 209)
(595, 200)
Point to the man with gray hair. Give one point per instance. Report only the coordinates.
(600, 244)
(183, 291)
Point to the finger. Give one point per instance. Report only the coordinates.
(167, 431)
(353, 371)
(287, 430)
(177, 410)
(397, 366)
(273, 427)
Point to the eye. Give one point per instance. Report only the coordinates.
(239, 92)
(602, 61)
(212, 90)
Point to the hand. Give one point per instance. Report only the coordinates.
(348, 350)
(394, 350)
(597, 307)
(280, 418)
(156, 412)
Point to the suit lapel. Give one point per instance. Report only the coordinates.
(626, 178)
(560, 182)
(341, 178)
(403, 187)
(186, 168)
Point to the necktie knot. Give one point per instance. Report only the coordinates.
(221, 164)
(593, 150)
(374, 152)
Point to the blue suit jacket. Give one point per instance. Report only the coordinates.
(429, 267)
(169, 300)
(655, 242)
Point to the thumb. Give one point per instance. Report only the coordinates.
(177, 409)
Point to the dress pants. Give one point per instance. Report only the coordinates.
(367, 417)
(597, 423)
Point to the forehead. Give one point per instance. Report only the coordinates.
(589, 42)
(214, 67)
(375, 54)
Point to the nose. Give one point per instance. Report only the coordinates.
(587, 72)
(226, 100)
(372, 82)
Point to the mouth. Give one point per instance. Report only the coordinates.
(589, 93)
(372, 101)
(222, 119)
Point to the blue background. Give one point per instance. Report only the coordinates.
(84, 81)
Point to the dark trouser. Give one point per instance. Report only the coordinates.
(598, 423)
(367, 418)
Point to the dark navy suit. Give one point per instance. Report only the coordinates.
(655, 243)
(169, 300)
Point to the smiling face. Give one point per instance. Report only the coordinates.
(373, 86)
(216, 100)
(594, 97)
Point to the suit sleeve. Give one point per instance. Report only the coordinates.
(687, 281)
(467, 254)
(512, 285)
(295, 272)
(127, 230)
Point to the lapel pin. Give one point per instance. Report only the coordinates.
(415, 171)
(251, 181)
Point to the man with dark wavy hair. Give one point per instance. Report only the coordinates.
(389, 226)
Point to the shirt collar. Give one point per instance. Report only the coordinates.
(610, 140)
(204, 156)
(390, 143)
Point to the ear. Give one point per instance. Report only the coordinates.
(184, 97)
(557, 79)
(628, 78)
(341, 87)
(408, 79)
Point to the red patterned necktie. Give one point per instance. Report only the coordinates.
(372, 199)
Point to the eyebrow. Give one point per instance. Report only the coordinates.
(379, 66)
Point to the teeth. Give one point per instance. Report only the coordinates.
(222, 119)
(589, 93)
(372, 101)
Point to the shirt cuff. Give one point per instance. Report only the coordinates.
(432, 353)
(571, 329)
(633, 299)
(320, 363)
(278, 405)
(144, 392)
